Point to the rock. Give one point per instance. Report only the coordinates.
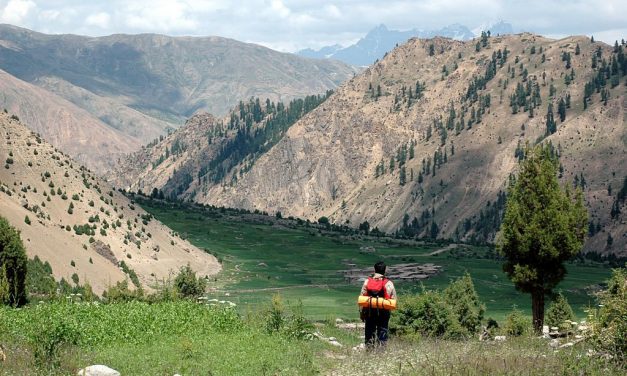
(339, 321)
(3, 357)
(98, 370)
(335, 343)
(554, 343)
(567, 344)
(154, 256)
(332, 339)
(500, 338)
(359, 347)
(554, 328)
(545, 329)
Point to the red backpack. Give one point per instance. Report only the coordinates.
(376, 288)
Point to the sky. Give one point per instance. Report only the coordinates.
(291, 25)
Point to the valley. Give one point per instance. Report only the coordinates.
(262, 256)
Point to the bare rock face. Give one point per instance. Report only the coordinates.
(104, 250)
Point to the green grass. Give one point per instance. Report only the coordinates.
(147, 339)
(261, 259)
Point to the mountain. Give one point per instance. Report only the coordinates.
(495, 28)
(78, 223)
(64, 124)
(143, 86)
(380, 41)
(323, 53)
(424, 142)
(208, 150)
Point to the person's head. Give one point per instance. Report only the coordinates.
(379, 267)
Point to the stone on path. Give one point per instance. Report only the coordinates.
(98, 370)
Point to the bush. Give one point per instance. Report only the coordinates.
(27, 220)
(50, 339)
(559, 312)
(462, 297)
(188, 285)
(427, 314)
(12, 266)
(609, 323)
(517, 324)
(120, 292)
(288, 322)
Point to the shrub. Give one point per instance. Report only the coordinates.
(516, 324)
(559, 312)
(462, 297)
(39, 279)
(120, 292)
(188, 285)
(27, 220)
(289, 322)
(50, 339)
(275, 316)
(13, 266)
(427, 314)
(610, 321)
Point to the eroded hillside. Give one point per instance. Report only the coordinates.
(78, 223)
(424, 141)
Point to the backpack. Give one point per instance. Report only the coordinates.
(376, 288)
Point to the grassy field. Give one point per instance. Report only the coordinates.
(262, 258)
(135, 338)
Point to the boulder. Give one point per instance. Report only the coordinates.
(98, 370)
(500, 338)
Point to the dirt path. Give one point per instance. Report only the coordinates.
(447, 248)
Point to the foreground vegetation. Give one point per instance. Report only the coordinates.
(59, 337)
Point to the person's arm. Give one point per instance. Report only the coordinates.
(390, 289)
(364, 288)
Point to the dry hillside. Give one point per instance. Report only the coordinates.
(142, 85)
(78, 223)
(425, 140)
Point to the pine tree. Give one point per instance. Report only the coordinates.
(561, 109)
(551, 127)
(12, 265)
(536, 242)
(403, 176)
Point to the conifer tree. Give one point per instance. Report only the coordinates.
(12, 266)
(543, 227)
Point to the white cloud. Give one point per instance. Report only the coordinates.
(280, 9)
(295, 24)
(16, 11)
(160, 16)
(100, 20)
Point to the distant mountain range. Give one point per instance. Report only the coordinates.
(135, 88)
(381, 40)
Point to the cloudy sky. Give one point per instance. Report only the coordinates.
(290, 25)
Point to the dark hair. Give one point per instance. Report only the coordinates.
(379, 267)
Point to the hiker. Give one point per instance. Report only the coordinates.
(377, 319)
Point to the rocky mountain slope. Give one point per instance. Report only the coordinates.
(78, 223)
(209, 151)
(425, 141)
(86, 138)
(143, 85)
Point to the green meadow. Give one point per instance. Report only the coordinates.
(262, 257)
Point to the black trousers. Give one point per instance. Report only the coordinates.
(377, 321)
